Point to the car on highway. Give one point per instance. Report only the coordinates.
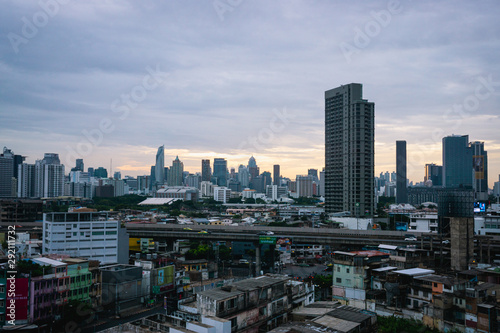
(204, 232)
(446, 241)
(187, 229)
(411, 239)
(265, 233)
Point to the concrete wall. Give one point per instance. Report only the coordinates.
(221, 325)
(460, 227)
(200, 329)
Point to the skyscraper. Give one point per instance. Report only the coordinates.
(220, 171)
(48, 177)
(349, 151)
(276, 174)
(480, 164)
(206, 171)
(457, 162)
(304, 185)
(313, 173)
(243, 176)
(434, 173)
(26, 181)
(6, 173)
(401, 189)
(160, 166)
(79, 165)
(175, 174)
(253, 169)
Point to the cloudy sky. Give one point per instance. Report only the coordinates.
(114, 80)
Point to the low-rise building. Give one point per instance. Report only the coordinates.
(352, 273)
(253, 305)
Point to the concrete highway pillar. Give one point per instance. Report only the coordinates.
(257, 259)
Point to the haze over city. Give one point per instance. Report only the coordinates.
(244, 79)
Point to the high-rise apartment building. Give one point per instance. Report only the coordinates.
(322, 183)
(457, 162)
(160, 166)
(304, 186)
(401, 188)
(175, 174)
(6, 173)
(313, 173)
(253, 169)
(243, 176)
(206, 171)
(220, 171)
(44, 179)
(26, 181)
(434, 173)
(349, 151)
(276, 174)
(480, 164)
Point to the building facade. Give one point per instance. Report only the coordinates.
(457, 162)
(220, 171)
(480, 164)
(401, 189)
(349, 151)
(90, 235)
(160, 166)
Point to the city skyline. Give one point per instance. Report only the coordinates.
(246, 81)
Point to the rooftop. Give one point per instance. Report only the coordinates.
(240, 287)
(47, 261)
(415, 271)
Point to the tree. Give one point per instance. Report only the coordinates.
(30, 267)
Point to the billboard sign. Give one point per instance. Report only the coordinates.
(401, 226)
(478, 161)
(165, 275)
(284, 241)
(267, 240)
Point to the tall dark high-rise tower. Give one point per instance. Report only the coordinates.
(457, 162)
(434, 173)
(401, 189)
(206, 171)
(349, 151)
(220, 171)
(276, 174)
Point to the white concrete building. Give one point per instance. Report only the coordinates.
(90, 235)
(207, 189)
(423, 222)
(222, 194)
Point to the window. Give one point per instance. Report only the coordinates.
(339, 280)
(263, 311)
(348, 281)
(338, 269)
(231, 303)
(221, 306)
(234, 322)
(347, 270)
